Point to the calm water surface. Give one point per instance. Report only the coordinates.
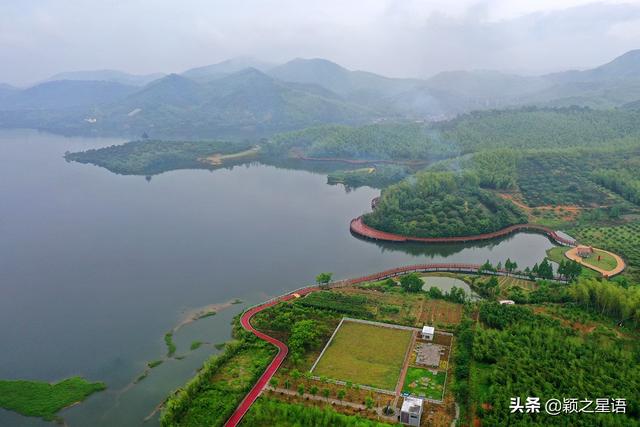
(96, 267)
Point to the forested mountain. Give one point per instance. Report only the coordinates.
(63, 94)
(228, 98)
(108, 76)
(224, 68)
(246, 103)
(340, 80)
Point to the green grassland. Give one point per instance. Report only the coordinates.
(356, 355)
(424, 383)
(44, 400)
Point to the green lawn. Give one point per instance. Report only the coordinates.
(424, 383)
(556, 254)
(41, 399)
(366, 355)
(606, 262)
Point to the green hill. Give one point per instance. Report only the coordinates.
(441, 204)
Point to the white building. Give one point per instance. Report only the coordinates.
(428, 332)
(506, 302)
(411, 411)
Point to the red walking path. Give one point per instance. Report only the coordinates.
(361, 229)
(245, 320)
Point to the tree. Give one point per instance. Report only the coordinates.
(411, 282)
(368, 402)
(305, 335)
(313, 390)
(295, 374)
(287, 383)
(435, 293)
(545, 271)
(341, 394)
(323, 279)
(325, 393)
(486, 267)
(301, 390)
(273, 382)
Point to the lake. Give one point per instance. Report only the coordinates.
(95, 268)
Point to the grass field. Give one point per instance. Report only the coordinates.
(424, 383)
(606, 262)
(41, 399)
(366, 355)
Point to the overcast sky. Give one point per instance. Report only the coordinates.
(405, 38)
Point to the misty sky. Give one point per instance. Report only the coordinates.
(405, 38)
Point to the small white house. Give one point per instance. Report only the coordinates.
(411, 411)
(428, 332)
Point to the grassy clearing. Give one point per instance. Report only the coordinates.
(44, 400)
(356, 355)
(601, 260)
(424, 383)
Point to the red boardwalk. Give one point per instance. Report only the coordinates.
(361, 229)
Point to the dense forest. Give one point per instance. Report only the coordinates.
(441, 204)
(371, 142)
(536, 128)
(516, 353)
(149, 157)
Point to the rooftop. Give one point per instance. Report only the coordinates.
(428, 329)
(412, 405)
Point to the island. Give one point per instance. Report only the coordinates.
(45, 400)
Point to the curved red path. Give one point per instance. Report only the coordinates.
(245, 321)
(360, 228)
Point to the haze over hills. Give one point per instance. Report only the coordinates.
(224, 68)
(108, 76)
(246, 97)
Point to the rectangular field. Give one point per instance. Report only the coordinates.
(365, 354)
(424, 383)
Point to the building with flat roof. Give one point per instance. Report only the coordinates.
(411, 411)
(428, 332)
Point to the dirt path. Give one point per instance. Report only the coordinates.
(405, 366)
